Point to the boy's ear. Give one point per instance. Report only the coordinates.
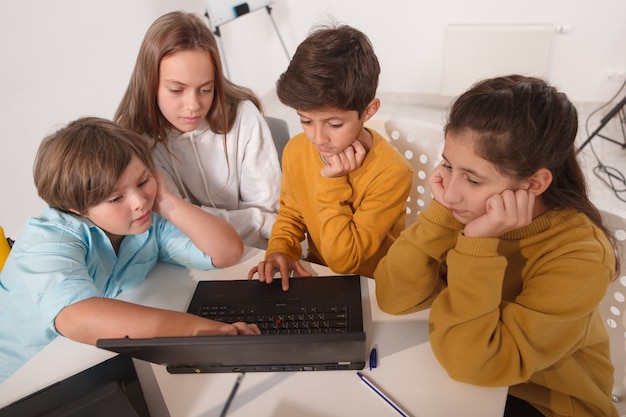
(540, 181)
(371, 109)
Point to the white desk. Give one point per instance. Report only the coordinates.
(407, 368)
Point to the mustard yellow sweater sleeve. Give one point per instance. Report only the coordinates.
(289, 229)
(559, 277)
(414, 272)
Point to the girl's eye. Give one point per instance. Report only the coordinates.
(206, 91)
(115, 199)
(446, 166)
(175, 91)
(471, 181)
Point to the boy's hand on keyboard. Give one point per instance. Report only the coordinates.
(282, 263)
(245, 328)
(216, 328)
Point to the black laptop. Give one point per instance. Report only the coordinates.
(315, 326)
(110, 388)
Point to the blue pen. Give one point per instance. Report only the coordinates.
(382, 394)
(373, 358)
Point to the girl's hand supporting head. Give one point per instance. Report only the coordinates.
(435, 181)
(506, 211)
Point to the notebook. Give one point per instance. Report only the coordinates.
(315, 326)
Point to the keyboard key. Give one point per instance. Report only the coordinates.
(294, 320)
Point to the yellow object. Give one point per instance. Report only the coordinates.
(4, 248)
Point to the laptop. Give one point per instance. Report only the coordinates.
(110, 388)
(315, 326)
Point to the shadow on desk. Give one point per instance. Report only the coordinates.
(110, 388)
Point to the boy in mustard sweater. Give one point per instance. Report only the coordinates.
(344, 187)
(511, 256)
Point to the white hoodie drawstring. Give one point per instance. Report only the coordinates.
(202, 174)
(199, 162)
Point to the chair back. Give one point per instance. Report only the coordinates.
(421, 143)
(280, 134)
(613, 310)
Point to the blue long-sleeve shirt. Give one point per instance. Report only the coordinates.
(61, 259)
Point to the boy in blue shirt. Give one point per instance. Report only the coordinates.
(110, 219)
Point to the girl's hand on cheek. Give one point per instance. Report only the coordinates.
(435, 182)
(507, 211)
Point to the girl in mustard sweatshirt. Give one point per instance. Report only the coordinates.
(511, 256)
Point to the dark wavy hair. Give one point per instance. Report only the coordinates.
(523, 124)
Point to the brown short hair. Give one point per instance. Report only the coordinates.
(79, 165)
(334, 67)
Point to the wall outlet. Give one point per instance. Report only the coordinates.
(614, 75)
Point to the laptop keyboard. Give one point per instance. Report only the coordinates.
(295, 320)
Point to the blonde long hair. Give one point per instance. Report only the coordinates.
(171, 33)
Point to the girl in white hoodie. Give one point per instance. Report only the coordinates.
(209, 136)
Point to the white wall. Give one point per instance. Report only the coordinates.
(408, 36)
(60, 60)
(63, 59)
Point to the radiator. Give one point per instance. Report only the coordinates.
(474, 52)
